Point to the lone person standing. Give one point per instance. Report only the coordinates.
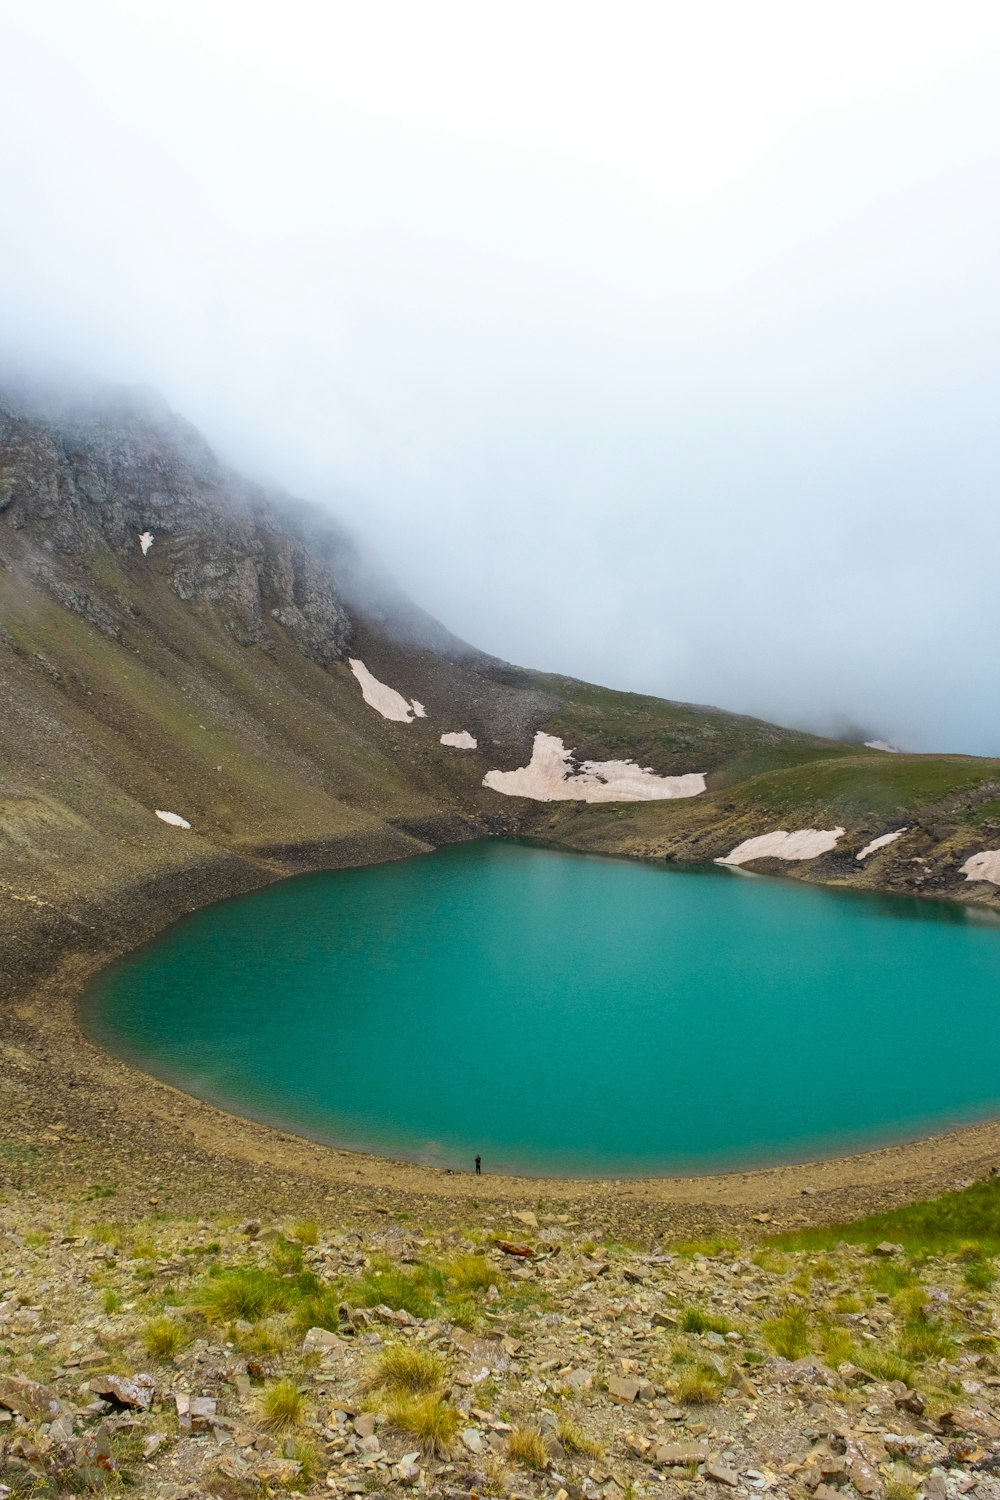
(479, 1166)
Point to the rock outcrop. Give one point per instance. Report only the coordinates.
(102, 473)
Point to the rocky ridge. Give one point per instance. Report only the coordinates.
(98, 475)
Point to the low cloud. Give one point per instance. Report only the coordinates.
(658, 348)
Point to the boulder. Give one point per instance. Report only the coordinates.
(134, 1392)
(680, 1455)
(623, 1389)
(321, 1341)
(26, 1397)
(720, 1474)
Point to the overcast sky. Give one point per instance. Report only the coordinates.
(657, 344)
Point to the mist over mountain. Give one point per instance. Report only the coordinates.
(661, 350)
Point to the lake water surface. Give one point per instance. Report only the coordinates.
(563, 1014)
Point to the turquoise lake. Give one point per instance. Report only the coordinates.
(563, 1014)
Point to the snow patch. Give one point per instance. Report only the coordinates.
(983, 866)
(146, 540)
(883, 745)
(174, 819)
(460, 739)
(551, 776)
(880, 843)
(803, 843)
(385, 700)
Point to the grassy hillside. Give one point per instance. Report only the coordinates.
(600, 723)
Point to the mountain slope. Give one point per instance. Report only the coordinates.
(208, 674)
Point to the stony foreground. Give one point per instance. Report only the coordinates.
(520, 1356)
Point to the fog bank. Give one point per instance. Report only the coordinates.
(658, 348)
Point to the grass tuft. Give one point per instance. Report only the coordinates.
(838, 1347)
(318, 1310)
(575, 1440)
(402, 1367)
(705, 1249)
(697, 1320)
(471, 1273)
(163, 1338)
(772, 1261)
(526, 1449)
(281, 1404)
(979, 1275)
(890, 1277)
(287, 1257)
(398, 1290)
(247, 1292)
(427, 1416)
(884, 1364)
(788, 1335)
(698, 1385)
(922, 1339)
(304, 1453)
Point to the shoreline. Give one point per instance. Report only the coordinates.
(82, 1117)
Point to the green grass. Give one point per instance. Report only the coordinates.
(471, 1273)
(697, 1320)
(884, 1364)
(911, 1302)
(287, 1258)
(838, 1346)
(788, 1335)
(922, 1339)
(889, 1276)
(868, 785)
(400, 1290)
(318, 1310)
(979, 1276)
(772, 1261)
(303, 1452)
(247, 1292)
(704, 1249)
(935, 1226)
(601, 723)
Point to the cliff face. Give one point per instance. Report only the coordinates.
(92, 478)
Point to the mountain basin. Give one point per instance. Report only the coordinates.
(569, 1015)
